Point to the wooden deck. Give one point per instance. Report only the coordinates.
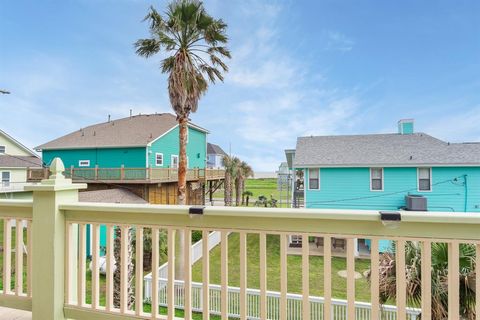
(12, 314)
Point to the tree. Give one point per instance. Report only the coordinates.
(439, 278)
(244, 171)
(194, 44)
(246, 197)
(117, 273)
(231, 165)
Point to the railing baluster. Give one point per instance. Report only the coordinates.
(139, 271)
(19, 257)
(224, 280)
(453, 283)
(7, 255)
(477, 280)
(426, 279)
(401, 280)
(188, 274)
(110, 265)
(124, 269)
(205, 275)
(243, 275)
(95, 266)
(305, 276)
(374, 279)
(29, 258)
(283, 276)
(350, 279)
(155, 265)
(263, 275)
(327, 277)
(81, 265)
(171, 274)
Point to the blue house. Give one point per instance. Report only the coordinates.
(379, 171)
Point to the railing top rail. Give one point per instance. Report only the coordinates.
(414, 225)
(16, 203)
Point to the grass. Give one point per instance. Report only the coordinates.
(258, 187)
(339, 284)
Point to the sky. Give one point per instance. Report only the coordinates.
(298, 68)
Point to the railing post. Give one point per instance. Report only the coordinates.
(122, 172)
(96, 172)
(48, 241)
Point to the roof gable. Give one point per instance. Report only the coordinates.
(23, 150)
(215, 149)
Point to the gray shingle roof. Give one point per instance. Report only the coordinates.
(135, 131)
(110, 196)
(383, 150)
(215, 149)
(7, 161)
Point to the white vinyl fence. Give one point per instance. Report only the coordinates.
(294, 302)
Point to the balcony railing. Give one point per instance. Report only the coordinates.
(50, 251)
(128, 175)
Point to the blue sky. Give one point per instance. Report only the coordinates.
(298, 68)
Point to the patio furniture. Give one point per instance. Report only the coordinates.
(338, 243)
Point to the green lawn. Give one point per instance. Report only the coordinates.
(339, 284)
(259, 187)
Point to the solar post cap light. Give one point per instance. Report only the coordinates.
(390, 219)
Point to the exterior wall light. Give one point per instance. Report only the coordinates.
(390, 219)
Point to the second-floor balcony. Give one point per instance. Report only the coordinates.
(241, 267)
(128, 175)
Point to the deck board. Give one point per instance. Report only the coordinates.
(12, 314)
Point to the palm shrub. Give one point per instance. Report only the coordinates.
(439, 274)
(246, 197)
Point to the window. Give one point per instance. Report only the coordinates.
(5, 179)
(84, 163)
(314, 179)
(2, 149)
(174, 161)
(376, 179)
(424, 179)
(159, 159)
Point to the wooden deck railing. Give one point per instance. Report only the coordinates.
(64, 288)
(132, 175)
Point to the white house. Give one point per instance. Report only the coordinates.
(15, 158)
(215, 156)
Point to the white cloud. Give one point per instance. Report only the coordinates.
(337, 41)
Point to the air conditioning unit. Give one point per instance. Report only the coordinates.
(415, 203)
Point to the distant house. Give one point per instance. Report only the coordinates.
(215, 156)
(15, 158)
(139, 151)
(386, 172)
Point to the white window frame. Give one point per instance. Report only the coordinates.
(171, 161)
(418, 179)
(318, 178)
(371, 178)
(5, 183)
(4, 149)
(84, 163)
(156, 159)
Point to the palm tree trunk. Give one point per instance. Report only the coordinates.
(182, 168)
(242, 188)
(228, 189)
(117, 273)
(238, 190)
(182, 194)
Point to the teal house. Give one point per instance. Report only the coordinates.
(142, 141)
(406, 170)
(140, 146)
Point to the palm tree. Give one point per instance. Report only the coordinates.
(194, 44)
(231, 170)
(439, 278)
(244, 172)
(117, 273)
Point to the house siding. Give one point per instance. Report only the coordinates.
(349, 188)
(104, 158)
(11, 147)
(168, 145)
